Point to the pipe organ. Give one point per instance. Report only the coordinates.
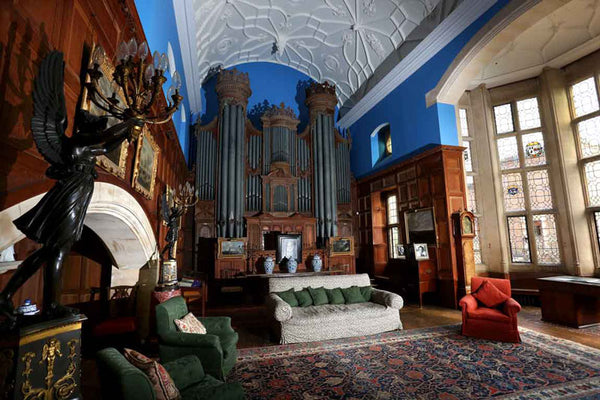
(252, 182)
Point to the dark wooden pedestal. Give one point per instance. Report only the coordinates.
(42, 360)
(570, 300)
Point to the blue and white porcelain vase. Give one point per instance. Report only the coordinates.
(269, 265)
(292, 265)
(317, 263)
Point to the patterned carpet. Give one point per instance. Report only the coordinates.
(434, 363)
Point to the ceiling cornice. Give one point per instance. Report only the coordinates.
(186, 28)
(467, 13)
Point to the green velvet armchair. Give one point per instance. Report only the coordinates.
(120, 380)
(216, 349)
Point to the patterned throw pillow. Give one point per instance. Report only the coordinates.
(490, 295)
(163, 385)
(190, 324)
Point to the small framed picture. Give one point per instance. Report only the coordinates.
(421, 251)
(401, 251)
(231, 248)
(342, 245)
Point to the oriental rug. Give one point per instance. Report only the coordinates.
(433, 363)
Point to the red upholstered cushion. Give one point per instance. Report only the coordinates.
(163, 384)
(489, 295)
(489, 314)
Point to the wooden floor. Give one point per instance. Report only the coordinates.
(251, 323)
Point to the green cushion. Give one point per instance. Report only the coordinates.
(353, 295)
(289, 297)
(335, 296)
(318, 295)
(366, 291)
(304, 299)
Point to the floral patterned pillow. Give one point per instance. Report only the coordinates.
(163, 385)
(190, 324)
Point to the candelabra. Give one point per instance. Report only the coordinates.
(141, 80)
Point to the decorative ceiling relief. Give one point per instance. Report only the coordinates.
(341, 41)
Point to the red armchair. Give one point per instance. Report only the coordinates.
(499, 323)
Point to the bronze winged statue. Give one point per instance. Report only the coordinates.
(56, 221)
(171, 216)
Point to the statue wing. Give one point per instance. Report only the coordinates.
(49, 120)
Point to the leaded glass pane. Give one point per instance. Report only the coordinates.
(508, 151)
(540, 195)
(464, 125)
(514, 199)
(477, 243)
(392, 210)
(529, 114)
(546, 239)
(597, 220)
(585, 97)
(592, 180)
(534, 149)
(504, 119)
(519, 239)
(471, 202)
(467, 156)
(589, 137)
(393, 241)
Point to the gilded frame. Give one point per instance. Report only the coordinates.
(221, 254)
(341, 241)
(144, 169)
(116, 161)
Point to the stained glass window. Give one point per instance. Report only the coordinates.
(592, 180)
(529, 114)
(477, 243)
(508, 151)
(589, 137)
(540, 196)
(467, 157)
(393, 240)
(546, 239)
(514, 199)
(504, 119)
(534, 149)
(393, 231)
(519, 240)
(392, 210)
(471, 201)
(585, 97)
(464, 125)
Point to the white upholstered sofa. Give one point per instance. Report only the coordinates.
(332, 321)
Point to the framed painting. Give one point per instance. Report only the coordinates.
(114, 161)
(146, 164)
(289, 246)
(341, 246)
(231, 247)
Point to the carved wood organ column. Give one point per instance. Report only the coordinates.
(233, 90)
(321, 101)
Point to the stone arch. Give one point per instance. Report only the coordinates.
(114, 215)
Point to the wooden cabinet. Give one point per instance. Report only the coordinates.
(414, 278)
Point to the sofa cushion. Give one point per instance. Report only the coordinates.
(304, 299)
(163, 385)
(337, 313)
(489, 295)
(289, 297)
(318, 295)
(366, 292)
(352, 295)
(335, 296)
(190, 324)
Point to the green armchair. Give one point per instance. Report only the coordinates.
(120, 380)
(216, 349)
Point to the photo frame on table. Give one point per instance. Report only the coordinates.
(421, 251)
(289, 246)
(341, 246)
(231, 247)
(115, 161)
(146, 164)
(401, 251)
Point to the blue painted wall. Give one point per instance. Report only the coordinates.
(271, 84)
(414, 127)
(158, 21)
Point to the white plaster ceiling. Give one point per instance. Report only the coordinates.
(563, 36)
(341, 41)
